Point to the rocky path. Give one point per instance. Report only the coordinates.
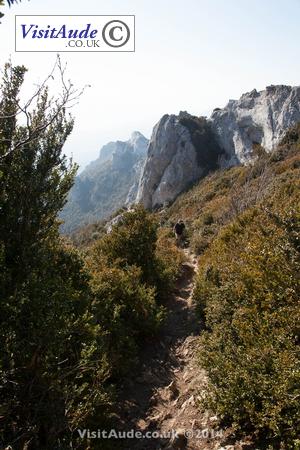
(162, 396)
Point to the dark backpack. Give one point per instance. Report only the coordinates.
(179, 227)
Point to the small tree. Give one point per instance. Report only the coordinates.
(52, 359)
(35, 176)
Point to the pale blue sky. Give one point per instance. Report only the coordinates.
(190, 55)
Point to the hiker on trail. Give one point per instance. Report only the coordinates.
(179, 232)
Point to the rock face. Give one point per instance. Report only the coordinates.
(174, 158)
(105, 184)
(257, 117)
(182, 151)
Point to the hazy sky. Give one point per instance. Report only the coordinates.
(190, 55)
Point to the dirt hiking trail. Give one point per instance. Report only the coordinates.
(164, 392)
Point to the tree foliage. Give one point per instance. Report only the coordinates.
(47, 353)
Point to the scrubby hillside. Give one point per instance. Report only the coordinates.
(244, 223)
(217, 199)
(79, 323)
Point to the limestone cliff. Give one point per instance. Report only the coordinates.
(184, 148)
(257, 117)
(181, 150)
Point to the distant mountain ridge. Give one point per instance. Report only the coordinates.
(183, 149)
(105, 183)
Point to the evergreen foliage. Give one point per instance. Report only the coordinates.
(71, 323)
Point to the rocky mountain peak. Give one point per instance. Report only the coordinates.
(138, 142)
(184, 148)
(136, 135)
(257, 117)
(181, 150)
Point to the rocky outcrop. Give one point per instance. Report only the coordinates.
(257, 117)
(105, 184)
(176, 158)
(137, 168)
(183, 148)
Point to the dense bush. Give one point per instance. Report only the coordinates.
(248, 291)
(132, 268)
(169, 259)
(51, 354)
(133, 241)
(127, 312)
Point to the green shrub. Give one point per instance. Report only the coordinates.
(53, 358)
(131, 242)
(134, 242)
(127, 312)
(248, 291)
(132, 269)
(207, 219)
(169, 260)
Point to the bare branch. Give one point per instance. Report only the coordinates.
(68, 98)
